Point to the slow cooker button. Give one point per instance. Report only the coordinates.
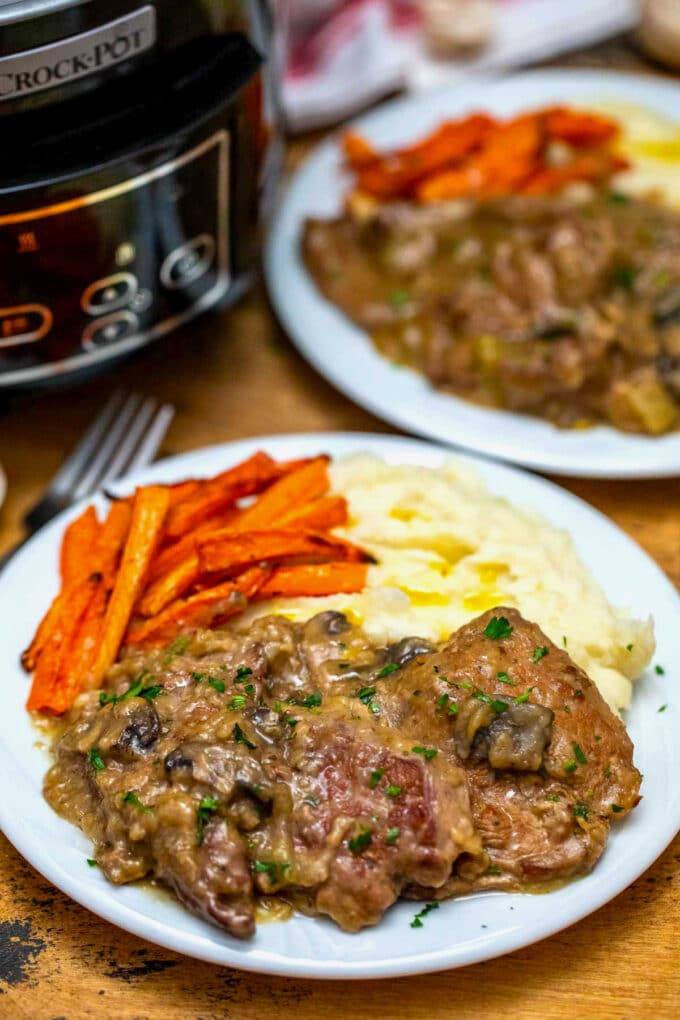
(188, 262)
(24, 324)
(108, 294)
(109, 330)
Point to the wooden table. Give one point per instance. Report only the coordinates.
(235, 375)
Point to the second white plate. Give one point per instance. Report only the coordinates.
(342, 352)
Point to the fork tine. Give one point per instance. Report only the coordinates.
(129, 442)
(107, 449)
(76, 463)
(155, 434)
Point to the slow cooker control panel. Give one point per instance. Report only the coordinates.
(113, 267)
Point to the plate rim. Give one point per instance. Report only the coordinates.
(637, 457)
(107, 905)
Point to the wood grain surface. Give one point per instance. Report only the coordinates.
(234, 375)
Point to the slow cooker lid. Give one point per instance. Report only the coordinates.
(12, 10)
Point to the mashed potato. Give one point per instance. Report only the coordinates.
(448, 550)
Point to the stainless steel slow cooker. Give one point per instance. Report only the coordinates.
(140, 149)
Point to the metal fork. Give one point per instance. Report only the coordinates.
(124, 437)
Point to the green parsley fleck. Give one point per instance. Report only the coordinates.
(617, 809)
(598, 737)
(624, 277)
(520, 700)
(392, 836)
(564, 640)
(249, 689)
(539, 653)
(659, 670)
(505, 679)
(607, 770)
(498, 628)
(552, 796)
(207, 807)
(96, 759)
(466, 685)
(361, 841)
(417, 921)
(137, 689)
(662, 708)
(391, 667)
(236, 702)
(581, 810)
(493, 869)
(91, 862)
(399, 298)
(131, 798)
(242, 673)
(216, 684)
(497, 706)
(376, 776)
(271, 869)
(312, 700)
(629, 648)
(570, 765)
(392, 790)
(618, 198)
(453, 709)
(579, 755)
(427, 752)
(240, 737)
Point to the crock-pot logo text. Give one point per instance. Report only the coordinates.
(80, 55)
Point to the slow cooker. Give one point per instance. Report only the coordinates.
(140, 150)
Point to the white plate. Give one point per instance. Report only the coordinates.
(343, 353)
(462, 931)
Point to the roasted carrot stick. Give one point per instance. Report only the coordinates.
(321, 515)
(358, 151)
(199, 610)
(171, 585)
(579, 128)
(149, 510)
(295, 489)
(77, 545)
(315, 579)
(246, 479)
(231, 552)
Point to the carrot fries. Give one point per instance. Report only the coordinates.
(188, 555)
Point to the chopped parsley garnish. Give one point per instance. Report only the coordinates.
(659, 670)
(505, 679)
(207, 807)
(91, 862)
(392, 790)
(570, 765)
(581, 810)
(617, 809)
(96, 759)
(216, 684)
(178, 646)
(376, 776)
(399, 298)
(360, 842)
(466, 685)
(618, 198)
(236, 702)
(137, 689)
(240, 737)
(442, 702)
(624, 277)
(498, 628)
(607, 770)
(579, 755)
(292, 722)
(271, 869)
(365, 696)
(242, 673)
(564, 640)
(493, 869)
(312, 700)
(453, 709)
(391, 667)
(552, 796)
(417, 921)
(497, 706)
(539, 653)
(629, 648)
(249, 689)
(427, 752)
(131, 798)
(523, 697)
(598, 737)
(662, 708)
(392, 836)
